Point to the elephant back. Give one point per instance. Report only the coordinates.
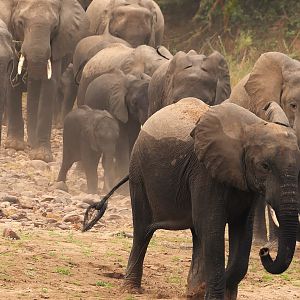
(176, 120)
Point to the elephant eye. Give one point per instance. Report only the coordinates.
(293, 106)
(265, 166)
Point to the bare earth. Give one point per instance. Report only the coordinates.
(54, 260)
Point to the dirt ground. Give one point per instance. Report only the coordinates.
(54, 260)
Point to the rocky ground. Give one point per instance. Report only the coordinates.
(44, 255)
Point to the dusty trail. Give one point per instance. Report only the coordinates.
(54, 260)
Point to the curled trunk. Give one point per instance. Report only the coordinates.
(287, 213)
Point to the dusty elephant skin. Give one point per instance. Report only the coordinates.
(138, 22)
(275, 77)
(48, 31)
(89, 134)
(190, 75)
(232, 157)
(6, 65)
(126, 98)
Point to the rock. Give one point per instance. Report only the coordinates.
(51, 221)
(39, 165)
(114, 217)
(2, 214)
(38, 224)
(63, 226)
(9, 233)
(18, 216)
(10, 199)
(82, 205)
(60, 185)
(5, 204)
(47, 198)
(71, 218)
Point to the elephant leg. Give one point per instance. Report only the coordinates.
(34, 87)
(109, 172)
(260, 227)
(134, 129)
(90, 161)
(69, 99)
(240, 239)
(15, 132)
(196, 282)
(66, 164)
(142, 234)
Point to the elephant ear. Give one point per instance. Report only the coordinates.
(218, 66)
(117, 103)
(73, 26)
(275, 114)
(265, 82)
(219, 142)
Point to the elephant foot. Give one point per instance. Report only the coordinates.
(196, 291)
(132, 288)
(41, 153)
(61, 185)
(231, 294)
(14, 143)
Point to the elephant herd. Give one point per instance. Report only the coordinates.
(199, 156)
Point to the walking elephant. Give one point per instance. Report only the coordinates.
(126, 98)
(139, 22)
(274, 77)
(204, 176)
(48, 32)
(190, 75)
(88, 135)
(6, 66)
(143, 59)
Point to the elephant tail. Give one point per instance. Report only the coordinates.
(90, 218)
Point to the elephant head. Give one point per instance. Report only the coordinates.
(276, 77)
(6, 65)
(126, 95)
(134, 21)
(249, 154)
(101, 130)
(195, 75)
(49, 31)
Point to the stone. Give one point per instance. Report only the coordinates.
(10, 199)
(9, 233)
(71, 218)
(39, 165)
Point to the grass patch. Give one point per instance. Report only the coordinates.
(104, 284)
(267, 278)
(63, 271)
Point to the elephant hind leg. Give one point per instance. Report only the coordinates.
(196, 284)
(143, 232)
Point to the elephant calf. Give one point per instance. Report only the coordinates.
(87, 135)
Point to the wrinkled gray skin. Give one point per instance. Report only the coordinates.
(275, 77)
(135, 61)
(88, 135)
(190, 75)
(85, 3)
(6, 66)
(126, 98)
(48, 30)
(205, 181)
(139, 22)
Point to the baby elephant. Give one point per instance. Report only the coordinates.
(87, 135)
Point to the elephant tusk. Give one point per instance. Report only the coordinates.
(49, 69)
(274, 218)
(21, 63)
(299, 217)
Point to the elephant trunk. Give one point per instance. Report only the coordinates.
(287, 213)
(36, 50)
(296, 127)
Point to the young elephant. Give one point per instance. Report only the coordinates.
(200, 177)
(88, 134)
(126, 98)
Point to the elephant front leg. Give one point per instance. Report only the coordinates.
(240, 239)
(15, 132)
(260, 227)
(196, 283)
(109, 171)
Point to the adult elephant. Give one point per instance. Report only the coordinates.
(143, 59)
(190, 75)
(200, 177)
(275, 76)
(126, 98)
(138, 22)
(6, 66)
(49, 32)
